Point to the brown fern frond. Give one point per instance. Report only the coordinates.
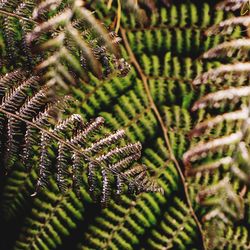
(211, 166)
(202, 149)
(52, 24)
(62, 41)
(44, 7)
(16, 96)
(227, 153)
(35, 126)
(209, 123)
(226, 204)
(231, 5)
(42, 120)
(227, 26)
(224, 72)
(229, 49)
(215, 99)
(9, 80)
(79, 43)
(141, 181)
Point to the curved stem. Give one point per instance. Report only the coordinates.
(164, 129)
(6, 13)
(51, 134)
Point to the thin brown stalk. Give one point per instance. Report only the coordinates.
(6, 13)
(54, 136)
(164, 129)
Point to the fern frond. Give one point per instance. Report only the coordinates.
(209, 123)
(226, 204)
(165, 48)
(64, 134)
(231, 4)
(44, 7)
(177, 228)
(215, 99)
(64, 37)
(10, 79)
(227, 26)
(53, 219)
(81, 49)
(227, 153)
(240, 47)
(227, 237)
(121, 225)
(228, 71)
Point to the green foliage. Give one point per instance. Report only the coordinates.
(177, 228)
(121, 225)
(167, 50)
(50, 221)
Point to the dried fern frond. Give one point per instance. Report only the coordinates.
(221, 236)
(34, 124)
(211, 122)
(225, 118)
(227, 26)
(224, 72)
(207, 167)
(63, 41)
(238, 48)
(225, 204)
(44, 7)
(202, 149)
(215, 99)
(221, 98)
(79, 43)
(231, 4)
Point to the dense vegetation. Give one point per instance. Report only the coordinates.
(171, 166)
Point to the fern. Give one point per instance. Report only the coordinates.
(70, 133)
(182, 39)
(225, 151)
(121, 225)
(229, 238)
(69, 40)
(177, 228)
(54, 220)
(151, 104)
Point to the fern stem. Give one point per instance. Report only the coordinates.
(75, 149)
(122, 222)
(164, 130)
(56, 205)
(164, 27)
(43, 130)
(6, 13)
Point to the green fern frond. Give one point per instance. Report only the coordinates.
(177, 228)
(50, 221)
(121, 225)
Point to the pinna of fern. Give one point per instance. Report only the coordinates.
(224, 237)
(31, 124)
(232, 5)
(228, 153)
